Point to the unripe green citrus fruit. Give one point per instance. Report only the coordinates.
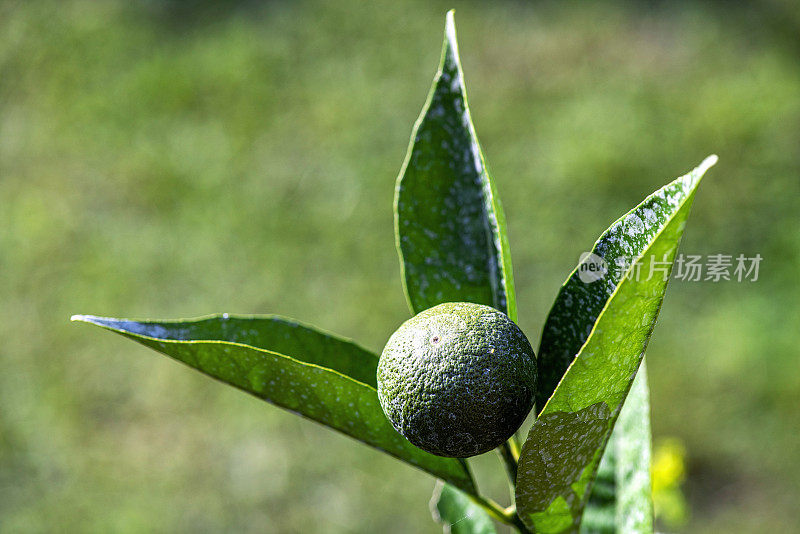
(457, 379)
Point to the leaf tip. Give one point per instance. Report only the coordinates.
(707, 163)
(692, 179)
(91, 319)
(450, 28)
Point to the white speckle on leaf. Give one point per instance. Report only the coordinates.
(634, 225)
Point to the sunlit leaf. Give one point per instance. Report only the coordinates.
(560, 457)
(632, 446)
(297, 380)
(621, 498)
(449, 223)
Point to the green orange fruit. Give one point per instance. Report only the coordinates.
(457, 379)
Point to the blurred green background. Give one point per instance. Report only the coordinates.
(173, 159)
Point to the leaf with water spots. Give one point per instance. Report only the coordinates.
(449, 223)
(457, 513)
(632, 444)
(597, 332)
(621, 498)
(319, 376)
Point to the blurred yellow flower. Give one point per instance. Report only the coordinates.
(668, 473)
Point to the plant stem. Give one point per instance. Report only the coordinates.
(504, 515)
(507, 453)
(513, 444)
(495, 510)
(516, 521)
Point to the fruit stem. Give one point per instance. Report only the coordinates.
(513, 443)
(507, 453)
(504, 515)
(516, 520)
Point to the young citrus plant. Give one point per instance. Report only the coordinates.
(459, 378)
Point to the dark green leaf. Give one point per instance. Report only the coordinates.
(450, 227)
(269, 332)
(449, 224)
(578, 304)
(457, 513)
(621, 497)
(299, 381)
(560, 458)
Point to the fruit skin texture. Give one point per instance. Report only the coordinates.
(457, 379)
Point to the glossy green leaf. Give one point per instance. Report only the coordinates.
(457, 513)
(578, 304)
(449, 224)
(599, 514)
(621, 498)
(308, 379)
(632, 444)
(270, 332)
(560, 457)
